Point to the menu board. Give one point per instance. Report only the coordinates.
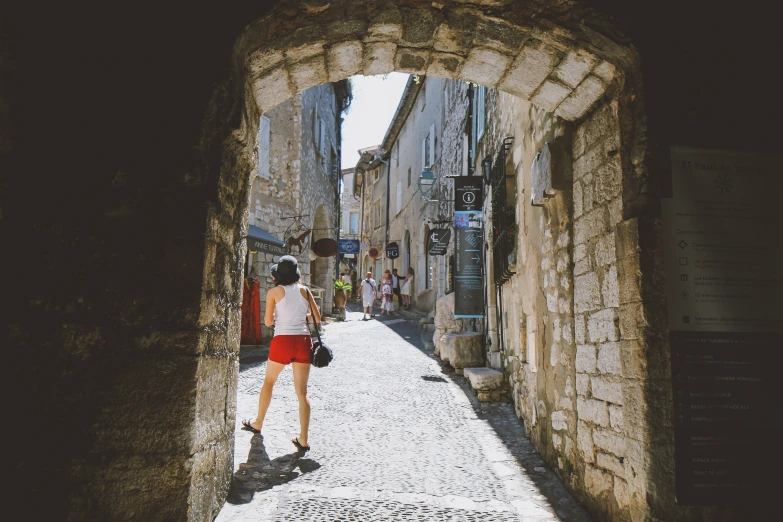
(722, 232)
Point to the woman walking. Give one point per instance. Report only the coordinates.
(287, 307)
(407, 289)
(387, 306)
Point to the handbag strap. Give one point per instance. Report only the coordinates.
(310, 307)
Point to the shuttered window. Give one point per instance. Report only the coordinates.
(399, 197)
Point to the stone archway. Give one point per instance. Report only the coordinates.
(556, 58)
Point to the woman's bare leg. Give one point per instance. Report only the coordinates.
(273, 370)
(301, 375)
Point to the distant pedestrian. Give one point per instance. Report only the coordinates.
(407, 289)
(396, 286)
(369, 293)
(354, 290)
(387, 305)
(287, 307)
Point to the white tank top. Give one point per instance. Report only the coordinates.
(291, 312)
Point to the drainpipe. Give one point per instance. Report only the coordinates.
(388, 200)
(360, 264)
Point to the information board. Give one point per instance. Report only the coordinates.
(469, 273)
(722, 242)
(468, 201)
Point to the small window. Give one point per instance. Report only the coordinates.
(263, 147)
(409, 176)
(377, 213)
(354, 227)
(481, 114)
(375, 175)
(399, 197)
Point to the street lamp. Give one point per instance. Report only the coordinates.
(426, 181)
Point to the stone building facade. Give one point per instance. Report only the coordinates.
(350, 219)
(295, 181)
(552, 326)
(399, 213)
(123, 309)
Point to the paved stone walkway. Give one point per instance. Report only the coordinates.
(395, 436)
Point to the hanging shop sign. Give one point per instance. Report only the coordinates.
(259, 240)
(373, 252)
(469, 273)
(392, 250)
(325, 247)
(439, 241)
(349, 246)
(721, 233)
(468, 201)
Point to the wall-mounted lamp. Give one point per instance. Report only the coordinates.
(486, 169)
(426, 182)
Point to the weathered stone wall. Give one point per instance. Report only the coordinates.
(297, 184)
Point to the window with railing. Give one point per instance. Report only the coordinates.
(504, 227)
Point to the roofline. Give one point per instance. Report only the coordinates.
(409, 95)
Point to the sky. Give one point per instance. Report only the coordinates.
(374, 102)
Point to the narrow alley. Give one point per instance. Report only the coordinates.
(396, 435)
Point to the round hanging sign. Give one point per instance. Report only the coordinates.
(374, 252)
(325, 247)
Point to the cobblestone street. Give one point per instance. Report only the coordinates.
(394, 434)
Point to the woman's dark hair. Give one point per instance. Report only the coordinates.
(285, 279)
(410, 270)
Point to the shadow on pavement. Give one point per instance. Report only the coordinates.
(502, 418)
(260, 473)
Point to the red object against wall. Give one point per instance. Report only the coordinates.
(251, 313)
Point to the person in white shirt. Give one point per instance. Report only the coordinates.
(369, 293)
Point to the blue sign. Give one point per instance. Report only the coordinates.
(349, 246)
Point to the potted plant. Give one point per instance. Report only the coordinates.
(339, 293)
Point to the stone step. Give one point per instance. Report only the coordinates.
(427, 320)
(462, 350)
(428, 327)
(484, 379)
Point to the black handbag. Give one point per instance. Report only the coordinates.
(322, 354)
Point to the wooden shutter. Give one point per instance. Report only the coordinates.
(399, 197)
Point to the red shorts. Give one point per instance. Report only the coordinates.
(285, 349)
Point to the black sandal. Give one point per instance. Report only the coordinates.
(303, 449)
(246, 425)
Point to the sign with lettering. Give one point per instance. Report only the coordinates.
(722, 230)
(392, 250)
(468, 193)
(439, 241)
(324, 247)
(469, 273)
(468, 202)
(259, 245)
(349, 246)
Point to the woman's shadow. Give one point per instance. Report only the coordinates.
(260, 473)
